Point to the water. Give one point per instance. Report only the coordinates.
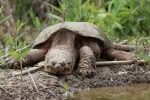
(133, 92)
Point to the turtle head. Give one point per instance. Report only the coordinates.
(59, 61)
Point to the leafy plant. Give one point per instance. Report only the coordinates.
(1, 32)
(144, 51)
(120, 19)
(21, 8)
(4, 18)
(144, 56)
(18, 55)
(67, 94)
(13, 42)
(35, 19)
(131, 15)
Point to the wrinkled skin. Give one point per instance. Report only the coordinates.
(65, 49)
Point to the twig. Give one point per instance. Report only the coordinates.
(50, 91)
(32, 81)
(98, 63)
(102, 63)
(123, 42)
(136, 48)
(16, 51)
(124, 47)
(135, 51)
(15, 73)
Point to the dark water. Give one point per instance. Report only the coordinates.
(133, 92)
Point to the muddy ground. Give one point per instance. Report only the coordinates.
(49, 87)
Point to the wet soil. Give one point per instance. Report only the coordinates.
(40, 85)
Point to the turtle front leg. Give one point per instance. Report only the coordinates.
(112, 54)
(34, 56)
(87, 62)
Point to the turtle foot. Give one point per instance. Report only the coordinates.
(112, 54)
(86, 66)
(11, 62)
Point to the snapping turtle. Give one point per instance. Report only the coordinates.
(67, 43)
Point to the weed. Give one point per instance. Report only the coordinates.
(144, 51)
(35, 20)
(67, 94)
(11, 44)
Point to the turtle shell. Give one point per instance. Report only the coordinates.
(82, 28)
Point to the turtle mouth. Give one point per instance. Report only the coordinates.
(58, 72)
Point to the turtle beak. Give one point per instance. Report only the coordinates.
(57, 68)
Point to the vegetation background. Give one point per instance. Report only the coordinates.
(22, 20)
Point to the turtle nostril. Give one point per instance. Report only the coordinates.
(62, 63)
(57, 66)
(53, 63)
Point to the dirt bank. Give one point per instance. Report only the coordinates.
(50, 86)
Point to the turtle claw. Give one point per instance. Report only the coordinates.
(84, 72)
(12, 62)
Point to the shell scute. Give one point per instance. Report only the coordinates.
(82, 28)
